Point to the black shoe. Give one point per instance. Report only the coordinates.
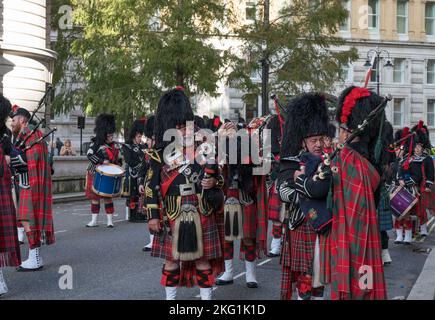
(398, 242)
(252, 285)
(146, 249)
(21, 269)
(407, 243)
(223, 282)
(273, 255)
(110, 226)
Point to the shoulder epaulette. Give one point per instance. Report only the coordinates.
(153, 154)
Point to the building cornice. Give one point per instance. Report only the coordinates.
(40, 53)
(385, 43)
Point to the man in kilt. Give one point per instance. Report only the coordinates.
(245, 210)
(9, 245)
(184, 203)
(355, 238)
(385, 217)
(149, 144)
(102, 150)
(30, 161)
(416, 173)
(274, 203)
(134, 155)
(301, 151)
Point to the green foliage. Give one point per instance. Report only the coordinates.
(125, 53)
(299, 46)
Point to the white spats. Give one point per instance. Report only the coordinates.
(206, 293)
(399, 236)
(150, 244)
(3, 287)
(109, 220)
(93, 222)
(34, 262)
(386, 259)
(423, 230)
(275, 247)
(227, 276)
(171, 293)
(408, 237)
(21, 234)
(251, 280)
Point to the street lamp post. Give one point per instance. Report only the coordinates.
(378, 52)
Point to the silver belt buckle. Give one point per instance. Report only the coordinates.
(187, 189)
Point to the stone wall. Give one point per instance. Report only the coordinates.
(69, 174)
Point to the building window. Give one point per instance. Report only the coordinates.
(402, 17)
(431, 113)
(430, 18)
(398, 108)
(251, 11)
(345, 26)
(373, 15)
(399, 71)
(431, 72)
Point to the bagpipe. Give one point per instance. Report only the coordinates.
(19, 148)
(325, 168)
(20, 143)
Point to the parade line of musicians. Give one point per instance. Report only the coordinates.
(330, 204)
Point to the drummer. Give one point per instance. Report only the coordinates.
(416, 174)
(102, 150)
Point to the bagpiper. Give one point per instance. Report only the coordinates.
(184, 202)
(133, 152)
(9, 245)
(245, 210)
(354, 238)
(304, 196)
(149, 144)
(30, 161)
(416, 174)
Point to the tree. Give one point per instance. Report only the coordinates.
(300, 46)
(125, 53)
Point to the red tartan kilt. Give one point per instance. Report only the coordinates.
(211, 238)
(298, 248)
(274, 206)
(9, 247)
(88, 190)
(250, 221)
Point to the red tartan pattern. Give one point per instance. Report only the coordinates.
(422, 205)
(274, 204)
(255, 219)
(88, 190)
(9, 246)
(213, 244)
(35, 203)
(355, 237)
(298, 248)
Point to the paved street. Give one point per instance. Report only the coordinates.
(109, 264)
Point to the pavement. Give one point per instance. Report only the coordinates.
(108, 264)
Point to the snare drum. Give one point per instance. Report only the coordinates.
(401, 201)
(108, 180)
